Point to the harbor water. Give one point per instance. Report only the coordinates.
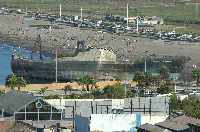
(5, 58)
(6, 55)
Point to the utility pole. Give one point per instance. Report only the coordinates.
(26, 11)
(126, 67)
(56, 65)
(81, 14)
(127, 15)
(60, 11)
(145, 65)
(197, 9)
(145, 62)
(137, 24)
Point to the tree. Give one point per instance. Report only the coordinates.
(115, 91)
(165, 87)
(139, 78)
(164, 72)
(144, 81)
(81, 81)
(196, 75)
(93, 83)
(2, 92)
(15, 82)
(87, 81)
(67, 88)
(43, 91)
(191, 107)
(97, 93)
(173, 102)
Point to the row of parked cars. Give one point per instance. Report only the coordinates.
(106, 25)
(172, 36)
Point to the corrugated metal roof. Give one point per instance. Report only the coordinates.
(187, 120)
(13, 100)
(172, 125)
(151, 128)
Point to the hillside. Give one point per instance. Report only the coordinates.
(175, 12)
(112, 4)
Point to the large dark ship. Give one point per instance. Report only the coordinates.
(101, 64)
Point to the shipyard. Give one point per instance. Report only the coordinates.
(99, 66)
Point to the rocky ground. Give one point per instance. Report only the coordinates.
(23, 32)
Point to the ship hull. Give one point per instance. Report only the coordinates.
(69, 70)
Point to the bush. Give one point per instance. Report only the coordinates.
(165, 89)
(190, 106)
(115, 91)
(52, 97)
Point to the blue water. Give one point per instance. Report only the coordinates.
(5, 59)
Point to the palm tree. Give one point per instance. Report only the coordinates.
(67, 88)
(15, 81)
(21, 83)
(43, 91)
(81, 81)
(93, 82)
(86, 81)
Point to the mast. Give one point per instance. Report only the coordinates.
(39, 43)
(40, 51)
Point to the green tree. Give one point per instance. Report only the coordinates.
(196, 75)
(115, 91)
(43, 91)
(15, 82)
(87, 81)
(165, 88)
(175, 103)
(191, 107)
(164, 72)
(67, 88)
(2, 92)
(139, 78)
(93, 83)
(144, 81)
(97, 93)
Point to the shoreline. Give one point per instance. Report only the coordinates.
(26, 44)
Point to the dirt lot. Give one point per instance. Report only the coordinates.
(58, 86)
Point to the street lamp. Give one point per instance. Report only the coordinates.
(145, 61)
(126, 60)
